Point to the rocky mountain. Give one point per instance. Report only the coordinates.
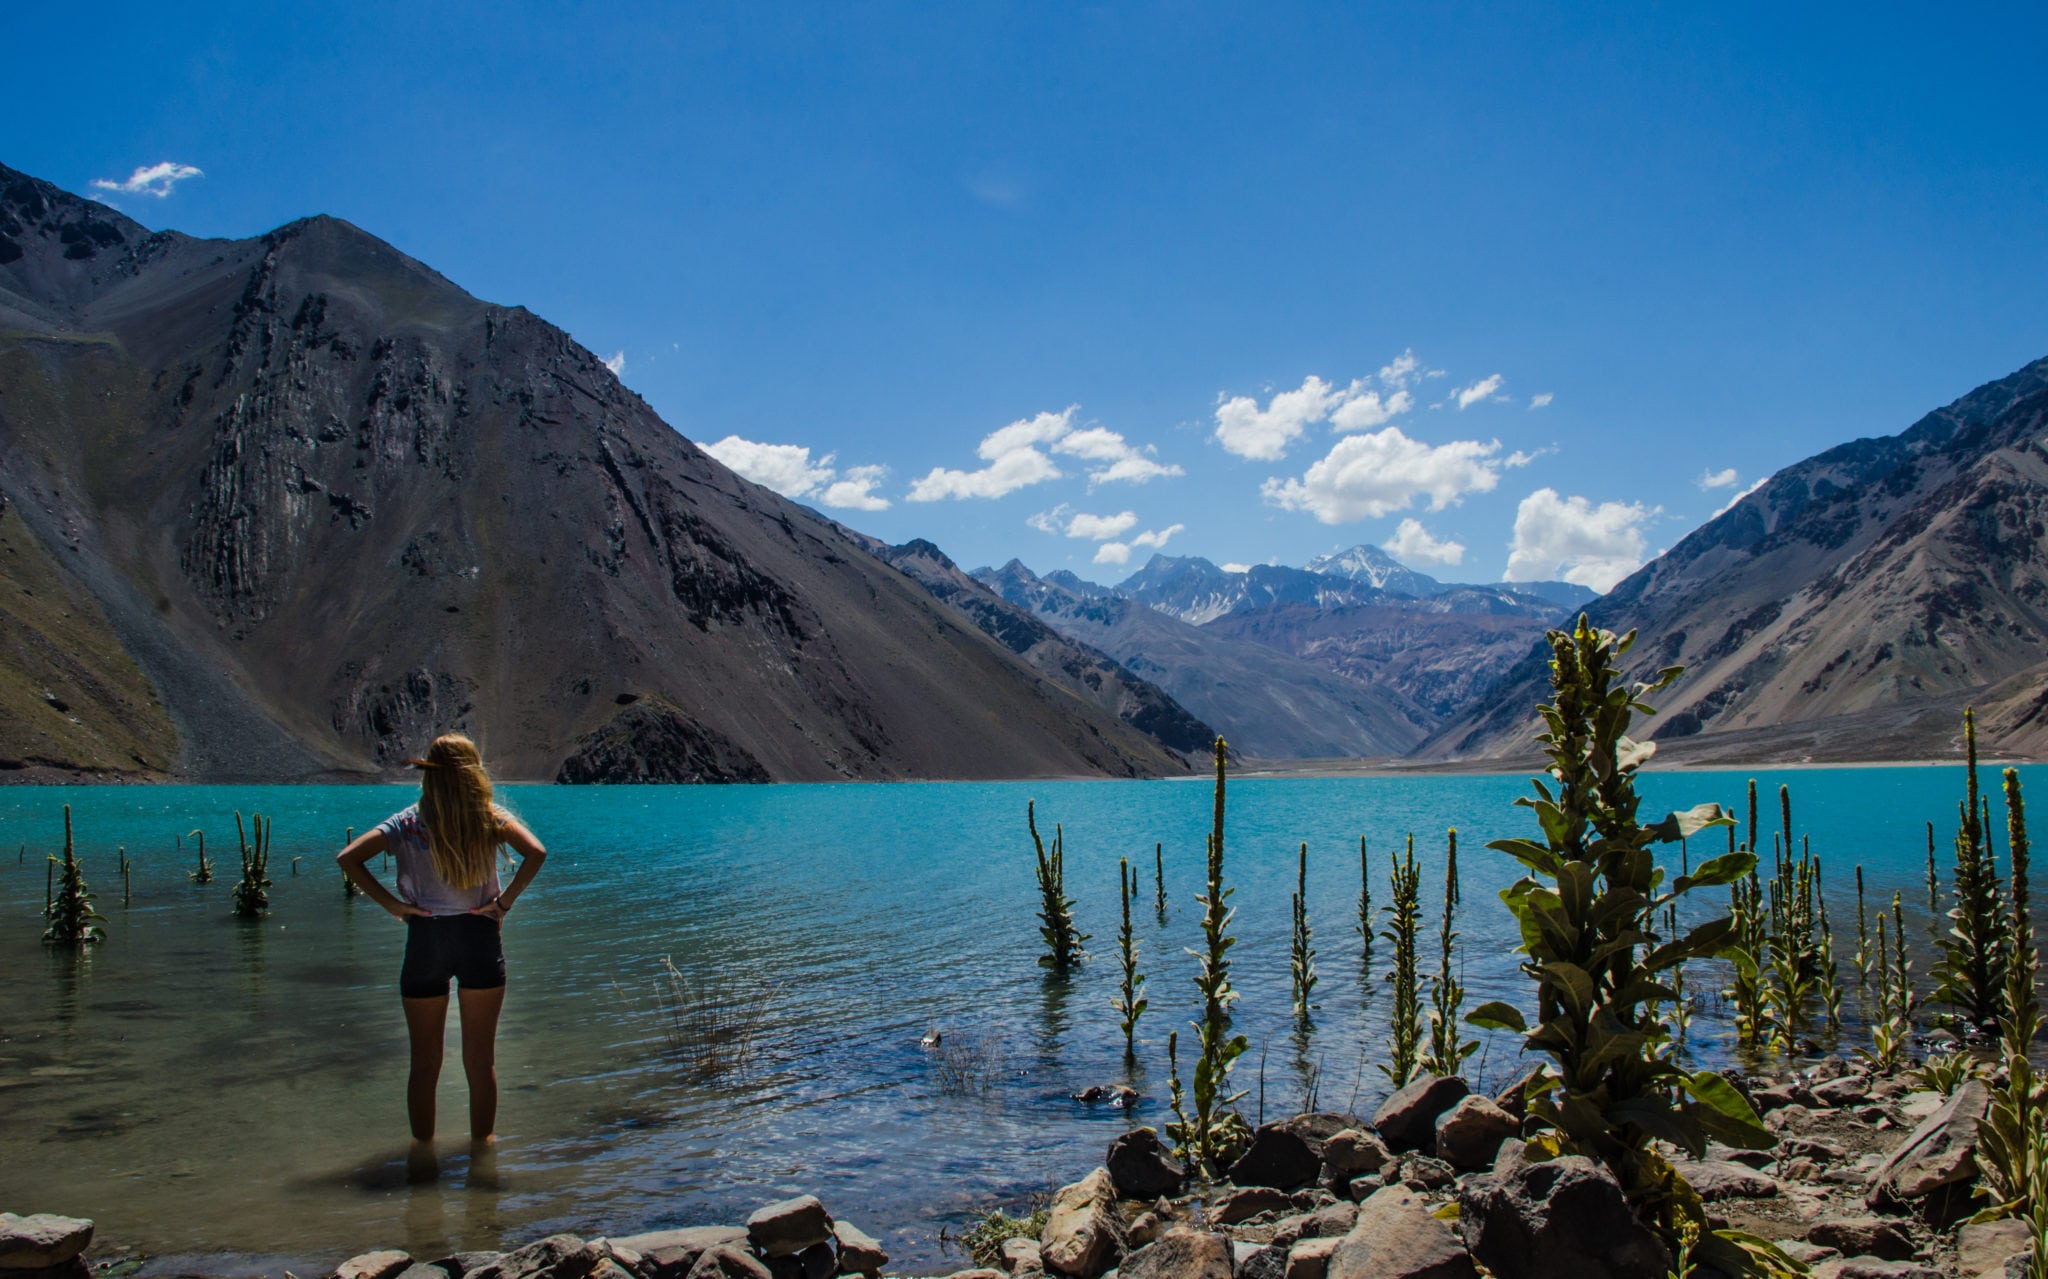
(283, 507)
(1851, 591)
(1266, 703)
(1374, 567)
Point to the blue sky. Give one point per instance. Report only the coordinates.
(1251, 282)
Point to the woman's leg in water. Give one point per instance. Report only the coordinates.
(480, 1057)
(426, 1021)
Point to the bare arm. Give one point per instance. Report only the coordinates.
(354, 863)
(531, 855)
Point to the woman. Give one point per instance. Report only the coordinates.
(446, 848)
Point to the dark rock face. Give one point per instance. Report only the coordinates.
(1407, 1120)
(1469, 1134)
(1396, 1237)
(646, 743)
(1180, 1254)
(1939, 1156)
(1565, 1219)
(1141, 1167)
(1278, 1157)
(331, 504)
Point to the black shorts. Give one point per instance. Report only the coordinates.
(437, 947)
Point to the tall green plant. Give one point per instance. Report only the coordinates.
(1404, 915)
(68, 907)
(1130, 1002)
(1063, 941)
(1301, 953)
(1970, 974)
(1217, 1048)
(252, 893)
(1747, 952)
(204, 873)
(1365, 929)
(1447, 1051)
(1159, 880)
(2012, 1137)
(1891, 1031)
(1588, 912)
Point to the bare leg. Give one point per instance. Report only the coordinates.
(426, 1021)
(480, 1058)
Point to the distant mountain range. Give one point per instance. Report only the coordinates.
(1849, 607)
(1197, 591)
(282, 508)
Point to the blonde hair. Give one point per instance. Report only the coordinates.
(455, 805)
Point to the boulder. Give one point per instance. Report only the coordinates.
(1280, 1157)
(1806, 1254)
(1407, 1120)
(786, 1228)
(860, 1253)
(1864, 1237)
(1832, 1066)
(45, 1239)
(1849, 1090)
(669, 1254)
(610, 1268)
(1398, 1237)
(1142, 1168)
(461, 1264)
(1317, 1127)
(1940, 1153)
(1310, 1258)
(1145, 1228)
(1022, 1256)
(1469, 1134)
(1776, 1097)
(1424, 1173)
(1082, 1235)
(1351, 1152)
(1180, 1254)
(1713, 1179)
(1515, 1097)
(1327, 1222)
(1873, 1268)
(1562, 1219)
(728, 1261)
(387, 1263)
(979, 1272)
(819, 1261)
(1982, 1247)
(559, 1256)
(1230, 1207)
(423, 1270)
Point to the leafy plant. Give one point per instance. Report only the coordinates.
(2012, 1137)
(204, 874)
(1747, 951)
(1063, 941)
(1364, 901)
(984, 1239)
(1130, 1001)
(1588, 912)
(1970, 974)
(1159, 880)
(1403, 916)
(1217, 1049)
(1863, 957)
(1947, 1071)
(1301, 955)
(1892, 1030)
(1447, 1052)
(68, 907)
(711, 1024)
(252, 894)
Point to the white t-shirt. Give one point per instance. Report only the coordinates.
(418, 882)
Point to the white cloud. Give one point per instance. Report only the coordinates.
(855, 491)
(1234, 567)
(617, 364)
(1717, 479)
(1403, 369)
(152, 179)
(1017, 456)
(1053, 521)
(1372, 475)
(1098, 528)
(1486, 388)
(1738, 497)
(1412, 545)
(1112, 553)
(1570, 538)
(1541, 400)
(789, 470)
(1245, 429)
(1364, 411)
(1154, 538)
(1157, 538)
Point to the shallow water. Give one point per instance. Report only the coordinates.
(205, 1086)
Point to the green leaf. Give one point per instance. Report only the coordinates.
(1496, 1015)
(1725, 869)
(1725, 1113)
(1706, 939)
(1655, 1116)
(1691, 822)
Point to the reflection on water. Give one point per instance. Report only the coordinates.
(204, 1085)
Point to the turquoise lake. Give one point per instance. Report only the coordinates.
(231, 1094)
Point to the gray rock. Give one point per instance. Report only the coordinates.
(1279, 1157)
(423, 1270)
(387, 1263)
(1515, 1098)
(1983, 1247)
(1021, 1256)
(1469, 1134)
(1940, 1153)
(1317, 1127)
(1715, 1179)
(1351, 1152)
(1397, 1237)
(1310, 1258)
(1082, 1232)
(559, 1256)
(669, 1254)
(1254, 1262)
(1874, 1268)
(860, 1253)
(1848, 1090)
(1562, 1219)
(1423, 1173)
(1776, 1097)
(1864, 1237)
(1146, 1228)
(786, 1228)
(728, 1261)
(44, 1239)
(1407, 1120)
(1230, 1207)
(1326, 1222)
(1830, 1067)
(458, 1265)
(1142, 1168)
(1806, 1254)
(1180, 1254)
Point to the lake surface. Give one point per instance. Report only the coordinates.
(205, 1086)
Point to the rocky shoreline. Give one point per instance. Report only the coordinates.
(1872, 1177)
